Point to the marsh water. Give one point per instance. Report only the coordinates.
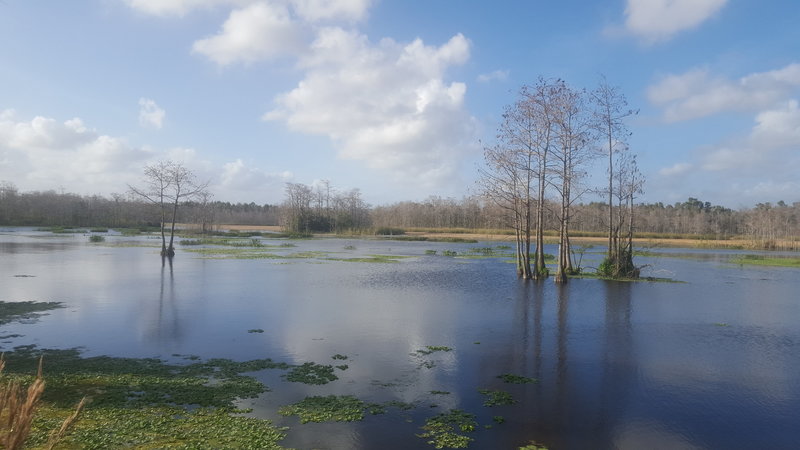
(710, 362)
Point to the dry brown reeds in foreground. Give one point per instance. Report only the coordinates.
(18, 407)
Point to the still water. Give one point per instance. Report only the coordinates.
(709, 363)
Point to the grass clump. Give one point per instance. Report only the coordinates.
(311, 373)
(496, 398)
(516, 379)
(446, 430)
(97, 238)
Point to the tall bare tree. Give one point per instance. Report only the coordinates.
(166, 184)
(570, 156)
(610, 112)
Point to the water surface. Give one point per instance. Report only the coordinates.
(708, 363)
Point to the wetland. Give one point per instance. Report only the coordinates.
(341, 343)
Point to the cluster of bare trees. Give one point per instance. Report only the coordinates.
(546, 141)
(321, 208)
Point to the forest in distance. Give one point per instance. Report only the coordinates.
(768, 225)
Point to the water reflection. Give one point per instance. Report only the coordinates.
(164, 322)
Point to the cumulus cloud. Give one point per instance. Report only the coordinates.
(763, 165)
(698, 93)
(660, 20)
(237, 176)
(257, 32)
(175, 7)
(385, 104)
(150, 114)
(497, 75)
(43, 153)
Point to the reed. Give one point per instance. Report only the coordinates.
(18, 409)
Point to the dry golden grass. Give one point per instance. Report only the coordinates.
(18, 408)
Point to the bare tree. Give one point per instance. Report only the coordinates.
(610, 111)
(570, 156)
(166, 184)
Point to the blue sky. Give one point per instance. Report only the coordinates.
(392, 97)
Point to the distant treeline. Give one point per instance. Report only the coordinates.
(317, 210)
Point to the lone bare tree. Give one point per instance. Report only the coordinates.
(166, 184)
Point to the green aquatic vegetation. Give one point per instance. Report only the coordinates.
(146, 402)
(721, 324)
(331, 408)
(97, 238)
(516, 379)
(440, 393)
(496, 398)
(371, 259)
(255, 330)
(762, 260)
(349, 247)
(430, 252)
(499, 419)
(343, 367)
(433, 348)
(449, 253)
(28, 310)
(446, 429)
(338, 356)
(311, 373)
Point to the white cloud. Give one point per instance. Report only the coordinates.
(236, 176)
(697, 93)
(384, 104)
(659, 20)
(164, 8)
(497, 75)
(675, 170)
(150, 114)
(43, 154)
(322, 10)
(257, 32)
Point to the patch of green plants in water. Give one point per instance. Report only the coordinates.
(433, 348)
(428, 239)
(331, 408)
(255, 330)
(349, 247)
(145, 403)
(516, 379)
(311, 373)
(430, 252)
(449, 253)
(446, 430)
(496, 398)
(337, 408)
(62, 230)
(372, 259)
(28, 310)
(339, 357)
(762, 260)
(99, 230)
(97, 238)
(440, 393)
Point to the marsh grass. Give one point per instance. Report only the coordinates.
(763, 260)
(18, 410)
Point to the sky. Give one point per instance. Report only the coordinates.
(394, 97)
